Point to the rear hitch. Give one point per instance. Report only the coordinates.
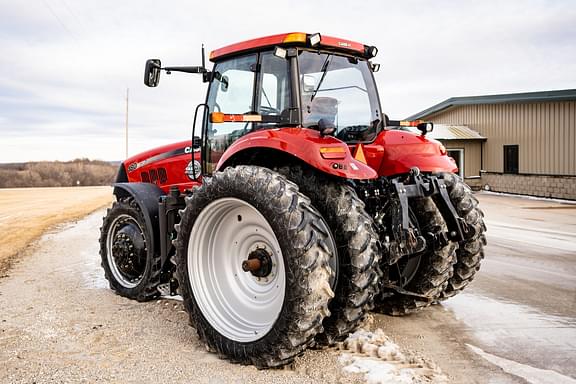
(388, 199)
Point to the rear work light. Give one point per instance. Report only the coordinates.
(315, 39)
(370, 51)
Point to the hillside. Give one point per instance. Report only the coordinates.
(82, 172)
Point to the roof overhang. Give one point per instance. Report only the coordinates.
(512, 98)
(294, 39)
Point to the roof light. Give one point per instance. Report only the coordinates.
(280, 52)
(315, 39)
(295, 38)
(370, 51)
(375, 67)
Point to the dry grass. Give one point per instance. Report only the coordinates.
(26, 213)
(57, 174)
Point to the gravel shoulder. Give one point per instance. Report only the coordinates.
(59, 322)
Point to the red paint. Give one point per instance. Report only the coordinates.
(268, 41)
(336, 42)
(395, 152)
(175, 166)
(304, 144)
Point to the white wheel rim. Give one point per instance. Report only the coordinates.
(237, 304)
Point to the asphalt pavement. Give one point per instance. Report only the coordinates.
(516, 322)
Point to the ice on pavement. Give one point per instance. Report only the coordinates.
(380, 360)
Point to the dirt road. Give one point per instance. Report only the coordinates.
(516, 323)
(26, 213)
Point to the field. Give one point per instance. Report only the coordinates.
(25, 213)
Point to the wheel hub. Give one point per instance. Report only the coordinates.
(127, 251)
(259, 263)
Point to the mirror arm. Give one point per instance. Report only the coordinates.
(185, 69)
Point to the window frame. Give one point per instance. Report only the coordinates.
(460, 164)
(508, 168)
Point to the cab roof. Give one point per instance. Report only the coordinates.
(295, 39)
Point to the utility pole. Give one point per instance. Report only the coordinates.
(127, 94)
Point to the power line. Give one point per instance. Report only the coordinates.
(74, 15)
(60, 21)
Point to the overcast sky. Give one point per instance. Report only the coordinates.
(65, 64)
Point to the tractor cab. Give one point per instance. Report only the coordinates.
(320, 83)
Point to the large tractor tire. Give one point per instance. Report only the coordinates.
(470, 252)
(253, 261)
(423, 276)
(357, 247)
(130, 265)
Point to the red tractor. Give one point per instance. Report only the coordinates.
(297, 208)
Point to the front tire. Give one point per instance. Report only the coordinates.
(261, 317)
(130, 265)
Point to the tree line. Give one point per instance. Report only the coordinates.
(81, 172)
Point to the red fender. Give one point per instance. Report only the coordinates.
(306, 145)
(395, 152)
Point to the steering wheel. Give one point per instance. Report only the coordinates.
(353, 132)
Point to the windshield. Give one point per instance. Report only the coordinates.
(340, 91)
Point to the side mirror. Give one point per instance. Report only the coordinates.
(152, 72)
(308, 83)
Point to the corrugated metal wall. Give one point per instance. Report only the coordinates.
(472, 152)
(544, 132)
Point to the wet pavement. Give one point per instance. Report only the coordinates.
(519, 314)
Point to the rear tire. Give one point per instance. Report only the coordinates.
(358, 251)
(470, 253)
(130, 265)
(238, 315)
(434, 270)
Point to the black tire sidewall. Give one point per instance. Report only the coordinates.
(139, 292)
(269, 344)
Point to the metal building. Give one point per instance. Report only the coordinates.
(525, 143)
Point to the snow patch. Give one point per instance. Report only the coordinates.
(380, 360)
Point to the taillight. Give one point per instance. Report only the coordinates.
(333, 152)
